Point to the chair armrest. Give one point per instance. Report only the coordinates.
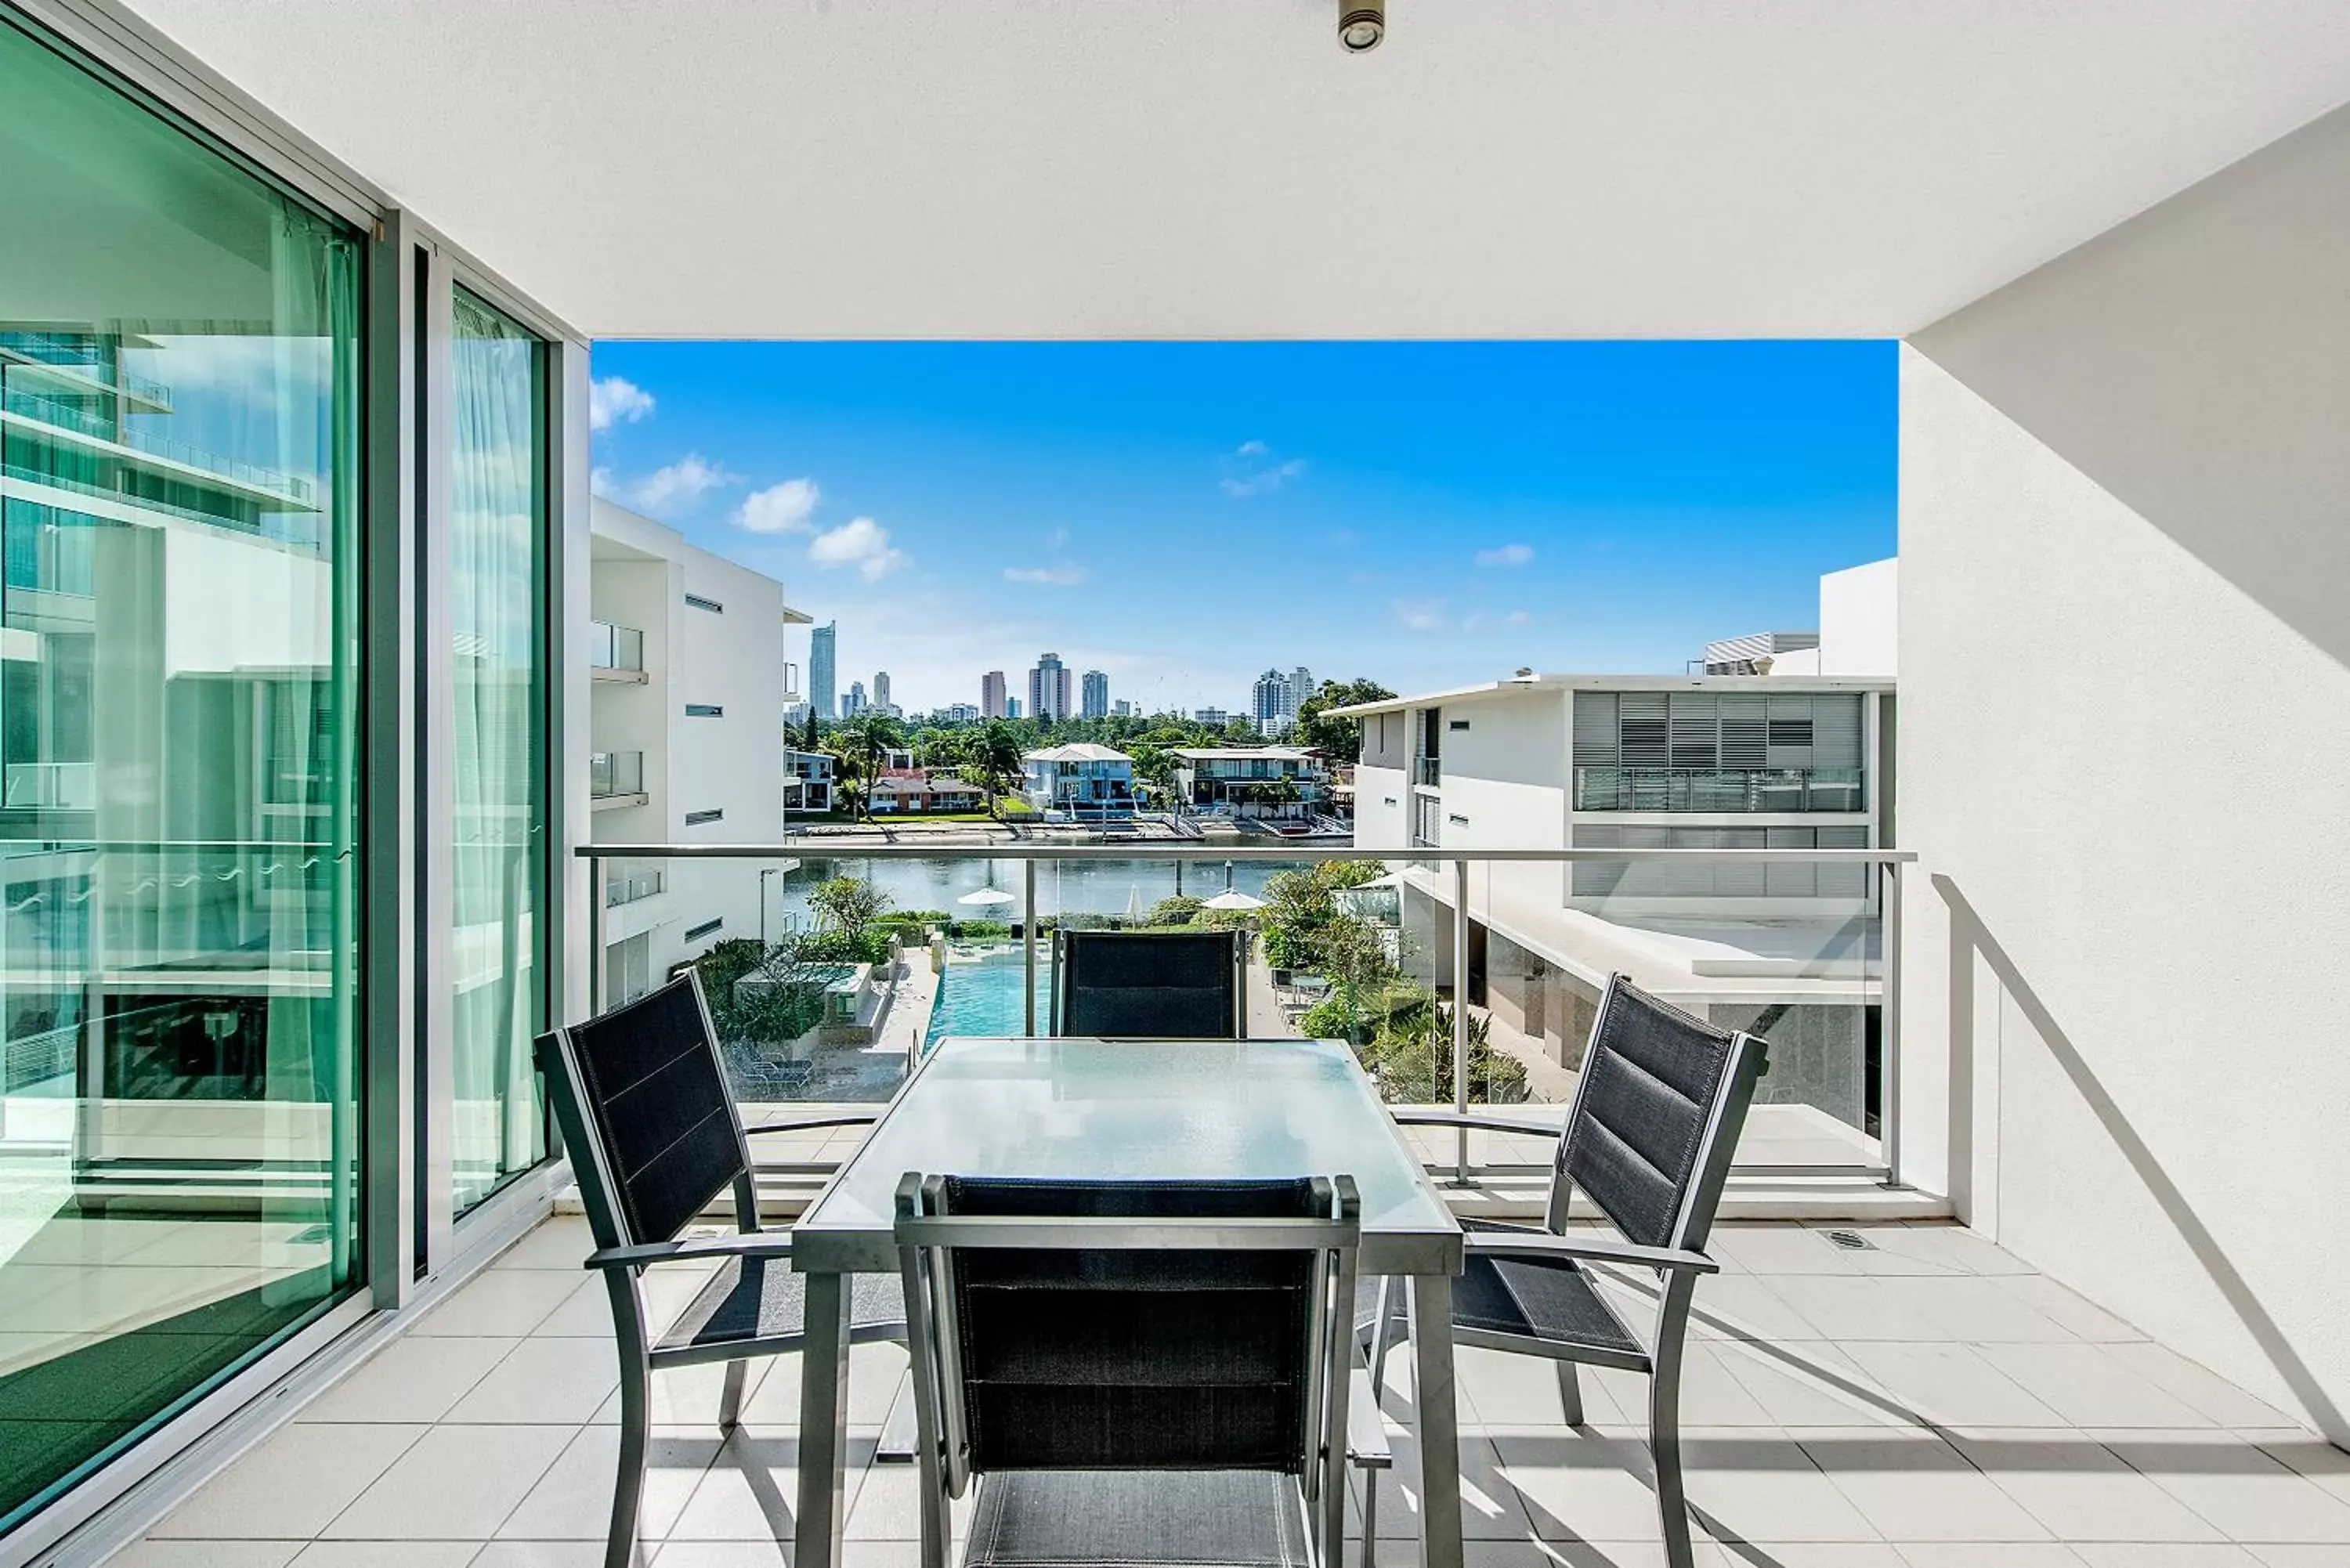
(1367, 1434)
(1477, 1123)
(805, 1124)
(1599, 1249)
(746, 1244)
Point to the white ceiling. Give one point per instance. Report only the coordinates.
(1220, 168)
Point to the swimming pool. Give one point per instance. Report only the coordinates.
(981, 996)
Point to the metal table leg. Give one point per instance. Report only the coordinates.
(1438, 1421)
(822, 1515)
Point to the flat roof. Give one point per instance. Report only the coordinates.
(1245, 754)
(1523, 685)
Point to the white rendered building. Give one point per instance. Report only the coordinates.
(685, 741)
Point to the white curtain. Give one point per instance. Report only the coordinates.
(495, 495)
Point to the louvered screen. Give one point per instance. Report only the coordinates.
(1791, 732)
(1595, 730)
(1644, 730)
(1745, 732)
(1696, 723)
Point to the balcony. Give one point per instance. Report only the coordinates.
(1428, 771)
(615, 778)
(1720, 789)
(616, 652)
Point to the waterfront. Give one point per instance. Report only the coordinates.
(1063, 886)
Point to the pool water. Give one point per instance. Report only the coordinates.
(981, 996)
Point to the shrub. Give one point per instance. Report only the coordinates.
(980, 931)
(1411, 1055)
(1179, 910)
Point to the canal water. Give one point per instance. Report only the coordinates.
(1063, 886)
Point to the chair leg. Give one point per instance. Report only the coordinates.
(1665, 1419)
(730, 1399)
(628, 1486)
(1570, 1393)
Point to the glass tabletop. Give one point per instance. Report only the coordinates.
(1110, 1109)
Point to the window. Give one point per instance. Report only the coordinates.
(696, 601)
(180, 679)
(707, 927)
(703, 818)
(705, 711)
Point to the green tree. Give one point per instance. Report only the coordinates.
(1340, 740)
(845, 905)
(812, 737)
(995, 761)
(859, 744)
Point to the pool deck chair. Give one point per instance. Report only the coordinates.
(654, 1137)
(1151, 985)
(1136, 1373)
(1656, 1116)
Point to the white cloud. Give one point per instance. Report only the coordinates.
(783, 508)
(1516, 617)
(1506, 555)
(1251, 449)
(1263, 482)
(1060, 538)
(616, 400)
(861, 543)
(674, 488)
(1067, 575)
(1421, 615)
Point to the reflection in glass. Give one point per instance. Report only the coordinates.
(496, 508)
(179, 348)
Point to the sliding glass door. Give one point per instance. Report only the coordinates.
(497, 588)
(179, 661)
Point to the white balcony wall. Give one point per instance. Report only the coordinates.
(2125, 654)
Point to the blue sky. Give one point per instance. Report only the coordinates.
(1184, 515)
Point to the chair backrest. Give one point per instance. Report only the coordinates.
(1150, 985)
(1130, 1325)
(641, 1097)
(1655, 1119)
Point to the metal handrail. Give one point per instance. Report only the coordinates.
(1459, 859)
(1188, 849)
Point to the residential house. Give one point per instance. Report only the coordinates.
(1281, 782)
(1081, 781)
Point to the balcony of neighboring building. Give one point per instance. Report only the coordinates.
(616, 653)
(616, 779)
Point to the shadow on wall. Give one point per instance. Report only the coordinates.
(1970, 939)
(2195, 363)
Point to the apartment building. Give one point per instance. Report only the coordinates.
(993, 693)
(1094, 695)
(1792, 951)
(1048, 689)
(685, 710)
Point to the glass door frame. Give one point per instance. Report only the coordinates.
(412, 1249)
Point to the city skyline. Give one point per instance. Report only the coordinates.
(1156, 511)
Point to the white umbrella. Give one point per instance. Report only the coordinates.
(987, 896)
(1233, 899)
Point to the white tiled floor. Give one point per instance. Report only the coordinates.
(1927, 1404)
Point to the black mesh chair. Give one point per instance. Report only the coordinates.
(1136, 1371)
(654, 1137)
(1656, 1114)
(1151, 985)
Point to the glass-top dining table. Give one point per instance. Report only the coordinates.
(1110, 1109)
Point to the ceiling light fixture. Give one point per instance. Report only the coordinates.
(1361, 25)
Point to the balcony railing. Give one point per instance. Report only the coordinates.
(1818, 983)
(73, 352)
(81, 421)
(611, 647)
(1720, 789)
(1429, 771)
(626, 884)
(614, 774)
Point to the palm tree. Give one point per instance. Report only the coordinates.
(858, 746)
(994, 760)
